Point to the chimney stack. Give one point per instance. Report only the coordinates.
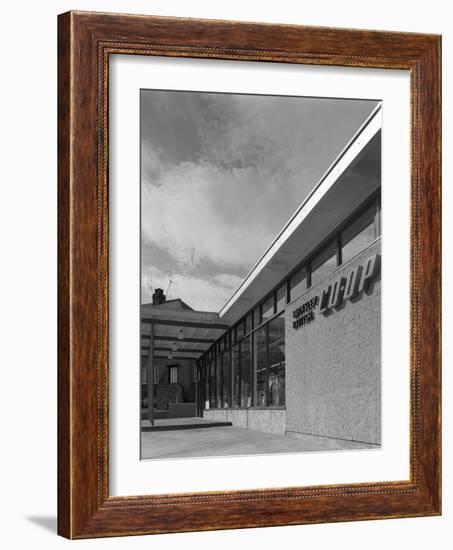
(158, 297)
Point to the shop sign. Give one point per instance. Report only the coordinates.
(346, 287)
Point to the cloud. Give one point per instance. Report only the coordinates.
(199, 293)
(153, 164)
(201, 212)
(222, 174)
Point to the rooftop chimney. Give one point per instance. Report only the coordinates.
(158, 297)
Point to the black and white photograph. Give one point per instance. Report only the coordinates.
(260, 274)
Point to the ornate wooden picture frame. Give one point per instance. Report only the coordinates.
(85, 507)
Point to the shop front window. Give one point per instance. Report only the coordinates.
(219, 381)
(276, 378)
(248, 324)
(226, 380)
(240, 331)
(298, 283)
(212, 386)
(206, 385)
(236, 370)
(256, 316)
(267, 309)
(281, 298)
(261, 367)
(246, 373)
(324, 262)
(357, 236)
(250, 369)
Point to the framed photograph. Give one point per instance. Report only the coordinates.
(249, 275)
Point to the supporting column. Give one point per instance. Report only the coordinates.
(150, 372)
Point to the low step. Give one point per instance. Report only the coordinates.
(185, 426)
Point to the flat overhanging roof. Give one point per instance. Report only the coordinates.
(353, 177)
(193, 332)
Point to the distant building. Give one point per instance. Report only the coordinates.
(173, 337)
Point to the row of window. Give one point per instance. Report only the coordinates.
(341, 247)
(246, 367)
(248, 373)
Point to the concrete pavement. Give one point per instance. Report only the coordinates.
(230, 440)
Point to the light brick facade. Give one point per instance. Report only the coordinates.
(333, 363)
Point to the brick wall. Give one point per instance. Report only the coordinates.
(168, 393)
(333, 364)
(185, 394)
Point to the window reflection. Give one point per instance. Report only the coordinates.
(219, 381)
(281, 298)
(261, 363)
(236, 375)
(267, 309)
(324, 262)
(248, 368)
(276, 381)
(358, 235)
(248, 324)
(212, 388)
(256, 317)
(206, 383)
(246, 372)
(299, 282)
(240, 331)
(226, 379)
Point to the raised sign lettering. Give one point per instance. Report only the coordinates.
(344, 288)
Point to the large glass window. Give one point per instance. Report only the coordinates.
(206, 384)
(246, 373)
(358, 235)
(268, 308)
(144, 371)
(276, 377)
(261, 366)
(256, 317)
(299, 283)
(236, 370)
(250, 366)
(240, 331)
(248, 324)
(226, 380)
(212, 387)
(219, 381)
(222, 344)
(281, 298)
(324, 262)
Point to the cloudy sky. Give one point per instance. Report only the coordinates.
(221, 176)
